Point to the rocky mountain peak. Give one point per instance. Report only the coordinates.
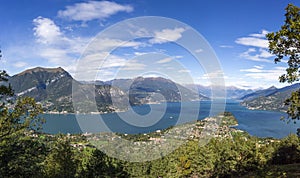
(42, 69)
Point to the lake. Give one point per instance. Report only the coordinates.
(149, 118)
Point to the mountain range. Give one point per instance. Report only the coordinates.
(232, 92)
(269, 99)
(52, 87)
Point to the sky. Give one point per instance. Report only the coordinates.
(191, 41)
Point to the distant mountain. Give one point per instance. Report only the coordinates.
(260, 93)
(107, 98)
(160, 90)
(52, 87)
(154, 90)
(123, 84)
(271, 98)
(236, 93)
(231, 91)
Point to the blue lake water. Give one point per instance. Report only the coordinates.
(149, 118)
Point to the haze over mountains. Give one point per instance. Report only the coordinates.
(52, 87)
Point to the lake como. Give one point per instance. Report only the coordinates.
(149, 118)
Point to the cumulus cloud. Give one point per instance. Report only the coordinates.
(55, 46)
(93, 10)
(46, 30)
(167, 35)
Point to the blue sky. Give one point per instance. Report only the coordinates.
(52, 33)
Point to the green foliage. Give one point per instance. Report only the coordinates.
(20, 153)
(288, 151)
(21, 158)
(294, 105)
(60, 160)
(285, 44)
(100, 165)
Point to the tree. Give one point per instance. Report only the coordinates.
(285, 44)
(60, 161)
(100, 165)
(5, 91)
(288, 151)
(19, 151)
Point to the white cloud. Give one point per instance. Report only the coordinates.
(139, 32)
(198, 50)
(60, 50)
(265, 54)
(253, 70)
(20, 64)
(259, 67)
(54, 46)
(152, 75)
(93, 10)
(55, 56)
(167, 35)
(256, 40)
(260, 35)
(261, 56)
(133, 65)
(45, 30)
(178, 57)
(184, 71)
(139, 53)
(101, 61)
(168, 59)
(106, 61)
(253, 41)
(226, 46)
(165, 60)
(266, 75)
(108, 44)
(213, 75)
